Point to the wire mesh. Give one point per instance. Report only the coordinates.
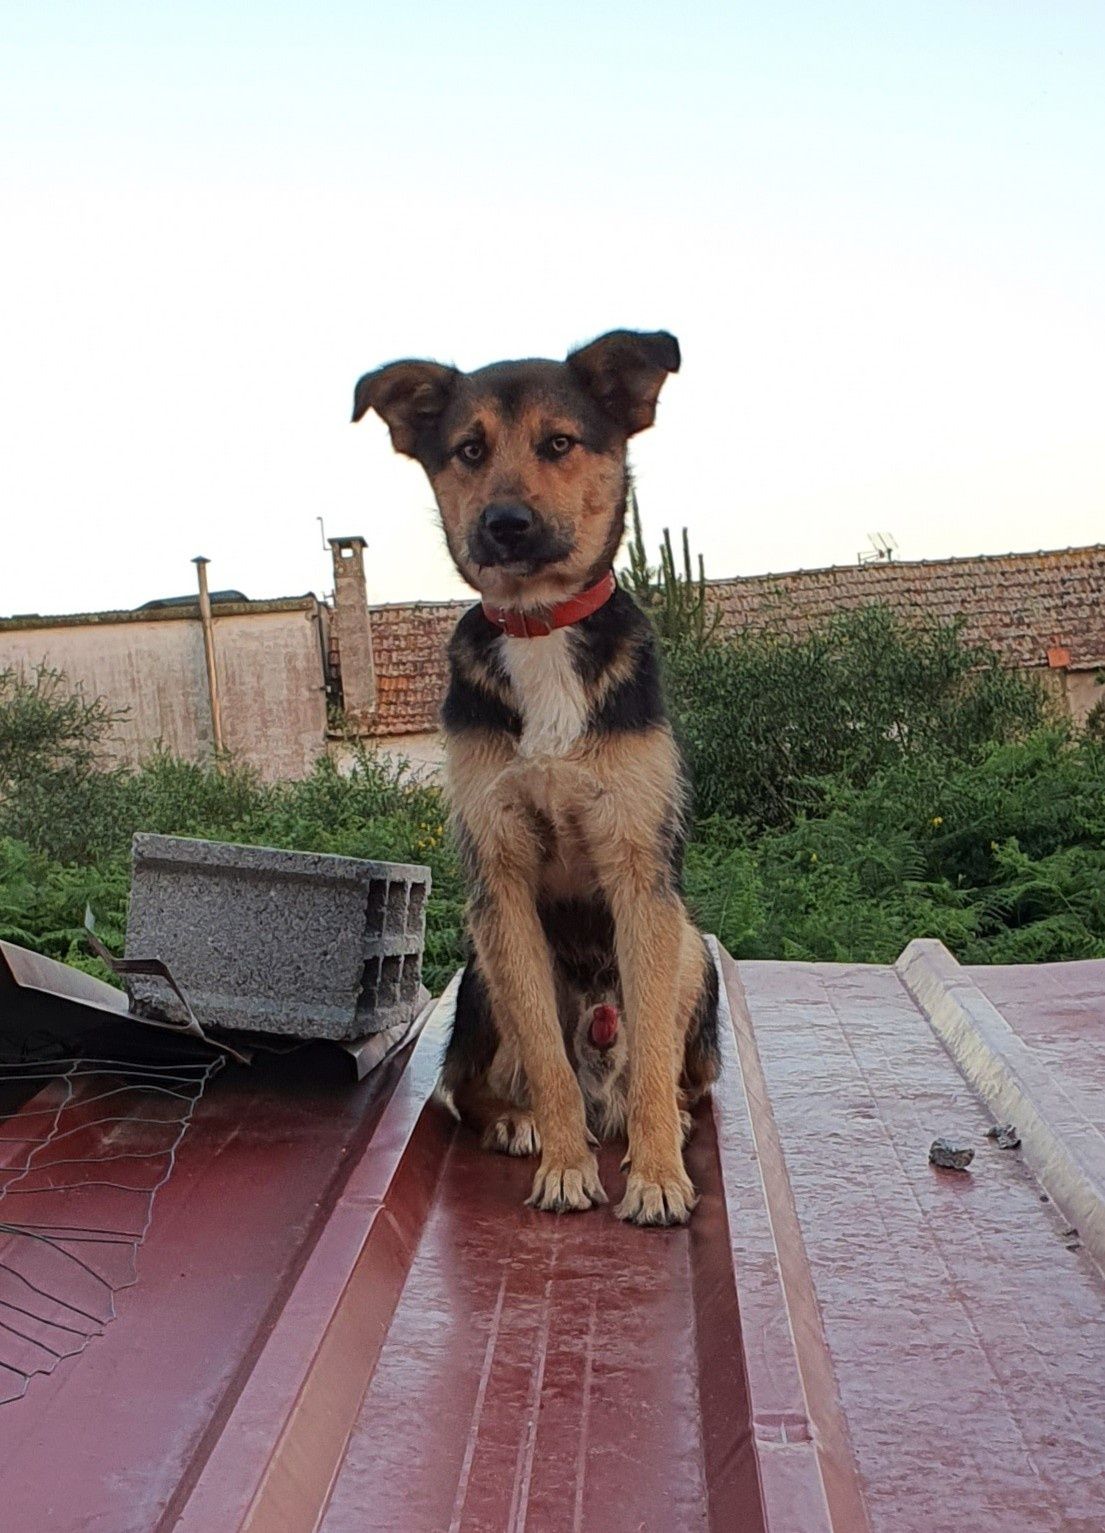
(82, 1159)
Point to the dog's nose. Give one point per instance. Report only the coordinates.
(506, 523)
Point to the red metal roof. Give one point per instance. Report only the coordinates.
(346, 1319)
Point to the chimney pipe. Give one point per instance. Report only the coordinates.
(352, 629)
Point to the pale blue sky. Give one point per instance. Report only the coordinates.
(878, 230)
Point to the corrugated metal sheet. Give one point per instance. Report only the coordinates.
(346, 1319)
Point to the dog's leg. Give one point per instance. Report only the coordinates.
(660, 964)
(650, 936)
(502, 1125)
(698, 999)
(515, 961)
(514, 956)
(701, 1054)
(481, 1078)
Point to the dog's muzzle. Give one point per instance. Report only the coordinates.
(511, 533)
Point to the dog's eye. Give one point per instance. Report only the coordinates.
(471, 452)
(559, 446)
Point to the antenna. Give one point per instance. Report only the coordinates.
(882, 550)
(322, 533)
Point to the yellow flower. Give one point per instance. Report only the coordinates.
(813, 856)
(993, 846)
(938, 819)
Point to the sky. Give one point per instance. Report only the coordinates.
(878, 230)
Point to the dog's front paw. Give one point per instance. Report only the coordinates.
(567, 1187)
(662, 1198)
(514, 1133)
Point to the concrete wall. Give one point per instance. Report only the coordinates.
(272, 678)
(423, 754)
(271, 689)
(1083, 691)
(269, 662)
(1075, 690)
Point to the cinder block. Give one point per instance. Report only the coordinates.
(277, 942)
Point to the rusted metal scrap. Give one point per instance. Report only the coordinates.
(31, 981)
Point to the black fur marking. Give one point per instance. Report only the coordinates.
(702, 1055)
(604, 635)
(512, 394)
(430, 450)
(580, 934)
(474, 1038)
(636, 703)
(468, 705)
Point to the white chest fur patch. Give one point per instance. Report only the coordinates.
(547, 692)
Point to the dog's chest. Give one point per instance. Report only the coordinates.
(547, 691)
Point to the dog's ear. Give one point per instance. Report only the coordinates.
(624, 371)
(409, 396)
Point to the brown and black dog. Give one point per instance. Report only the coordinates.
(566, 786)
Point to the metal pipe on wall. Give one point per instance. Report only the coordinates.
(208, 627)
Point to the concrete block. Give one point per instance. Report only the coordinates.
(278, 942)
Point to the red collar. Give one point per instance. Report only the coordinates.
(525, 625)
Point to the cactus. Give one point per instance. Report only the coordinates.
(678, 603)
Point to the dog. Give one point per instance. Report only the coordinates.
(567, 791)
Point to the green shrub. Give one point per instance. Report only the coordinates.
(1002, 857)
(765, 716)
(42, 903)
